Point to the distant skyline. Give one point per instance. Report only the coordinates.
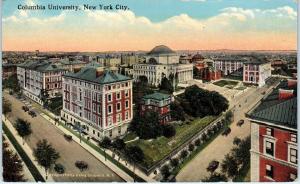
(179, 24)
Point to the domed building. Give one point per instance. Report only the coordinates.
(161, 62)
(197, 58)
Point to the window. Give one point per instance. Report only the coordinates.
(109, 87)
(126, 115)
(94, 107)
(126, 104)
(93, 131)
(294, 138)
(126, 93)
(293, 155)
(119, 130)
(98, 134)
(109, 109)
(118, 95)
(118, 118)
(109, 120)
(270, 132)
(293, 177)
(110, 133)
(270, 148)
(118, 106)
(109, 99)
(269, 171)
(99, 97)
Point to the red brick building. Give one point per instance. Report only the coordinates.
(157, 102)
(274, 138)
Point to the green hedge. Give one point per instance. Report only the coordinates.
(33, 170)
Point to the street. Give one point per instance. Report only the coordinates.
(222, 145)
(69, 152)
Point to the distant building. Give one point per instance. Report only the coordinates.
(8, 70)
(256, 72)
(185, 59)
(161, 62)
(37, 78)
(71, 65)
(97, 101)
(157, 102)
(228, 65)
(129, 60)
(109, 61)
(210, 73)
(274, 137)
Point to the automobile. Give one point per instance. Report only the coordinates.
(25, 108)
(226, 131)
(32, 113)
(213, 165)
(240, 123)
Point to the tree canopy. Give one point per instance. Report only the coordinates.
(166, 85)
(6, 107)
(200, 102)
(23, 128)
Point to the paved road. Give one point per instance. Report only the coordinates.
(216, 150)
(69, 152)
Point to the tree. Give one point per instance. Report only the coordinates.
(105, 144)
(228, 116)
(12, 83)
(229, 165)
(200, 102)
(197, 142)
(191, 147)
(45, 154)
(12, 165)
(44, 95)
(119, 144)
(134, 155)
(169, 130)
(174, 162)
(165, 171)
(6, 107)
(183, 154)
(215, 177)
(148, 126)
(166, 85)
(242, 152)
(176, 111)
(23, 128)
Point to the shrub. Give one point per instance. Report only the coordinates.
(165, 171)
(204, 137)
(215, 128)
(174, 162)
(169, 130)
(81, 165)
(191, 147)
(197, 142)
(59, 168)
(236, 141)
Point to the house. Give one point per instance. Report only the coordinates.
(157, 102)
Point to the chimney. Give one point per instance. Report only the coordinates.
(292, 83)
(285, 94)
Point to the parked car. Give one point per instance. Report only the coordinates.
(32, 113)
(25, 108)
(213, 165)
(240, 123)
(226, 131)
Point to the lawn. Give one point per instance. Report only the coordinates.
(157, 149)
(223, 83)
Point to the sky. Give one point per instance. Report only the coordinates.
(179, 24)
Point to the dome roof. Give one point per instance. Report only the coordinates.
(161, 49)
(198, 57)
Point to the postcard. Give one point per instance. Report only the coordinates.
(149, 91)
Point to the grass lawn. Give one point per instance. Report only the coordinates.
(129, 137)
(223, 83)
(157, 149)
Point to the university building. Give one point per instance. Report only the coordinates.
(161, 62)
(228, 65)
(98, 102)
(37, 78)
(274, 136)
(157, 102)
(256, 72)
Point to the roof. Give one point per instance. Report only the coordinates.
(43, 66)
(157, 96)
(279, 112)
(161, 49)
(198, 57)
(89, 73)
(68, 62)
(256, 61)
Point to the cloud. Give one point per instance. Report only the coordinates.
(232, 27)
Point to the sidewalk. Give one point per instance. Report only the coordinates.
(27, 149)
(27, 174)
(99, 156)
